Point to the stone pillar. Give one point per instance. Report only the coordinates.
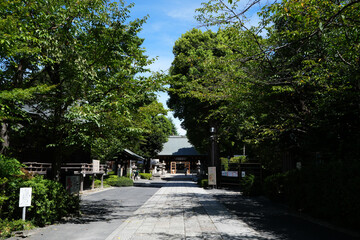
(93, 182)
(81, 182)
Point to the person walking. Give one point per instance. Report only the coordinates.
(186, 169)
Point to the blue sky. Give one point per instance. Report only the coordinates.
(168, 20)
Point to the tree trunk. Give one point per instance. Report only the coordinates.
(57, 135)
(5, 138)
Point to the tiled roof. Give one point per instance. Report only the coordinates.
(129, 153)
(178, 146)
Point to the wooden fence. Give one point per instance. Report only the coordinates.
(76, 168)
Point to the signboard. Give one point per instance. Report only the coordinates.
(73, 184)
(25, 197)
(243, 174)
(230, 174)
(212, 175)
(96, 166)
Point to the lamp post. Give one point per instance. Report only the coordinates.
(212, 170)
(212, 137)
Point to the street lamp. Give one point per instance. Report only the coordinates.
(213, 170)
(212, 137)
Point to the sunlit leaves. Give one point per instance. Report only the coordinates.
(283, 88)
(90, 54)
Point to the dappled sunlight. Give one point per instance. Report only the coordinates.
(182, 210)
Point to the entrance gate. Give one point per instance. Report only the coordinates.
(173, 167)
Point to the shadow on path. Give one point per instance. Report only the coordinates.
(273, 219)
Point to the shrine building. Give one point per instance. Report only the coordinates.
(178, 153)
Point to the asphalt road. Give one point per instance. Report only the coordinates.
(102, 213)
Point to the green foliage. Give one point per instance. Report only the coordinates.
(97, 183)
(250, 185)
(224, 164)
(204, 183)
(239, 159)
(274, 186)
(7, 227)
(292, 90)
(157, 129)
(11, 99)
(145, 175)
(117, 181)
(75, 67)
(3, 197)
(9, 167)
(328, 191)
(49, 203)
(197, 92)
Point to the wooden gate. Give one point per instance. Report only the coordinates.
(173, 168)
(187, 165)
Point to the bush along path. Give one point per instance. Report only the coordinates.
(50, 201)
(116, 181)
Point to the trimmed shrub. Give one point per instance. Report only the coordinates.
(117, 181)
(250, 185)
(145, 175)
(204, 183)
(274, 186)
(97, 183)
(50, 201)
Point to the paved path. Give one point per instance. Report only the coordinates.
(182, 210)
(176, 208)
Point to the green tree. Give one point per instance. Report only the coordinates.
(86, 53)
(157, 129)
(191, 52)
(295, 90)
(315, 57)
(211, 86)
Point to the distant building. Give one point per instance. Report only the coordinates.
(179, 154)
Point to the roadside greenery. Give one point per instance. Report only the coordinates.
(251, 185)
(50, 202)
(116, 181)
(97, 183)
(287, 88)
(8, 227)
(145, 175)
(204, 182)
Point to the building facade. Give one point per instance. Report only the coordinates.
(179, 155)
